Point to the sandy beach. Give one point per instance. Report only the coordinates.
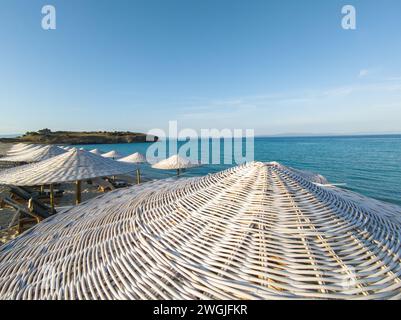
(6, 214)
(9, 232)
(3, 148)
(67, 200)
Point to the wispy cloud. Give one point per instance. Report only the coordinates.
(236, 106)
(363, 73)
(393, 79)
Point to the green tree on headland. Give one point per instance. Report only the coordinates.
(45, 131)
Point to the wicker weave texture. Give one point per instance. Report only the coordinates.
(258, 231)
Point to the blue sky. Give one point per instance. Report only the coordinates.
(274, 66)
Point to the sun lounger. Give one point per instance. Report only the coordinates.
(46, 193)
(23, 215)
(103, 184)
(118, 183)
(37, 207)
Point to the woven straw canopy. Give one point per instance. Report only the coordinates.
(70, 166)
(18, 146)
(112, 154)
(311, 176)
(67, 148)
(35, 154)
(257, 231)
(174, 162)
(96, 151)
(134, 158)
(24, 149)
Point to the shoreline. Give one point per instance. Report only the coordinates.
(46, 136)
(69, 144)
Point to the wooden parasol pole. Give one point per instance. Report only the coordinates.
(52, 197)
(78, 192)
(138, 176)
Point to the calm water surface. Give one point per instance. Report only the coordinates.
(370, 165)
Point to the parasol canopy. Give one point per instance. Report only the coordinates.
(24, 149)
(18, 146)
(35, 154)
(70, 166)
(134, 158)
(257, 231)
(112, 154)
(96, 151)
(175, 162)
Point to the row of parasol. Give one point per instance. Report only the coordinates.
(48, 165)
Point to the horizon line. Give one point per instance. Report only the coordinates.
(279, 135)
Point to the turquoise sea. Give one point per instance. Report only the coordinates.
(370, 165)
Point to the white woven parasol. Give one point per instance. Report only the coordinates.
(134, 158)
(35, 154)
(258, 231)
(96, 151)
(70, 166)
(112, 154)
(24, 149)
(175, 162)
(18, 147)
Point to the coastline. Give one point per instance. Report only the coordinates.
(46, 136)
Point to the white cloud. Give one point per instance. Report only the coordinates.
(363, 73)
(393, 79)
(335, 108)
